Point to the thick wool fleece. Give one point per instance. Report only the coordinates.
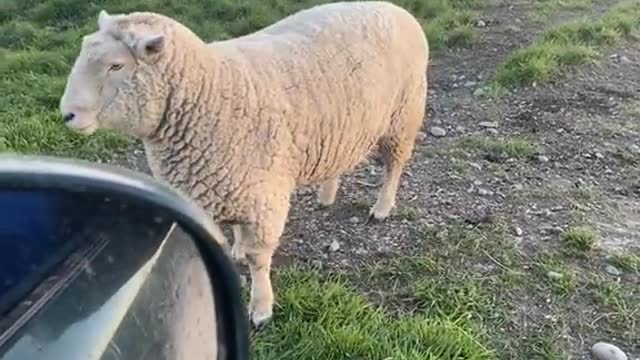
(241, 122)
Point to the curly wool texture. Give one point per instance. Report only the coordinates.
(298, 102)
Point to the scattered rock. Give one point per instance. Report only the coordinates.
(470, 84)
(554, 275)
(625, 60)
(479, 92)
(518, 231)
(460, 129)
(438, 131)
(481, 24)
(354, 220)
(488, 124)
(606, 351)
(476, 166)
(612, 270)
(492, 131)
(335, 246)
(634, 148)
(485, 192)
(542, 159)
(599, 155)
(421, 137)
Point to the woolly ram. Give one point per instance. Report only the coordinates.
(238, 124)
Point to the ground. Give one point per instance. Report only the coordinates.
(517, 233)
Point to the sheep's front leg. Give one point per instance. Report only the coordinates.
(328, 191)
(259, 255)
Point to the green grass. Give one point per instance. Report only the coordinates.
(579, 239)
(569, 45)
(497, 149)
(40, 39)
(466, 293)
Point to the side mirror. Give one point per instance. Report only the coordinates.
(98, 262)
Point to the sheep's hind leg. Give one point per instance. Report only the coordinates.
(328, 191)
(387, 195)
(237, 251)
(396, 151)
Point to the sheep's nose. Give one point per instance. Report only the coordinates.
(69, 117)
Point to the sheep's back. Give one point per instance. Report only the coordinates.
(332, 75)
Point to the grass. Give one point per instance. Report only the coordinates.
(39, 42)
(498, 149)
(579, 239)
(569, 45)
(467, 293)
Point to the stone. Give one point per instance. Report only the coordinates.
(438, 131)
(612, 270)
(354, 220)
(488, 124)
(335, 246)
(634, 149)
(599, 155)
(481, 24)
(492, 131)
(470, 84)
(485, 192)
(606, 351)
(518, 231)
(479, 92)
(542, 159)
(421, 137)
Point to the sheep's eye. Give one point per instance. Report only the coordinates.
(115, 67)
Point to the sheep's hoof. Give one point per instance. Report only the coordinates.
(260, 319)
(373, 219)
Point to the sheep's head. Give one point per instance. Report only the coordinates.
(115, 82)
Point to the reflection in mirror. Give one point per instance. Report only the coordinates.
(84, 276)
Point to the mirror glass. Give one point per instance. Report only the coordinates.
(84, 276)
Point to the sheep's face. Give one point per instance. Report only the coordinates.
(109, 84)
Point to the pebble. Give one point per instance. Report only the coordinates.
(470, 84)
(492, 131)
(420, 137)
(335, 246)
(488, 124)
(542, 159)
(612, 270)
(634, 149)
(438, 131)
(476, 166)
(354, 220)
(481, 24)
(479, 92)
(554, 275)
(606, 351)
(485, 192)
(599, 155)
(518, 231)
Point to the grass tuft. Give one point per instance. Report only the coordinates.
(579, 239)
(576, 43)
(324, 318)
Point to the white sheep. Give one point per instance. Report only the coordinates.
(238, 124)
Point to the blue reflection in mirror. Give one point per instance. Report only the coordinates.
(31, 241)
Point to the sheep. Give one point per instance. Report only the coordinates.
(239, 124)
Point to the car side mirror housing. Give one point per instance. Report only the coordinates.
(100, 262)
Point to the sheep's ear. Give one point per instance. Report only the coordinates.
(103, 18)
(150, 46)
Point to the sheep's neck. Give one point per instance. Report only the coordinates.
(198, 135)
